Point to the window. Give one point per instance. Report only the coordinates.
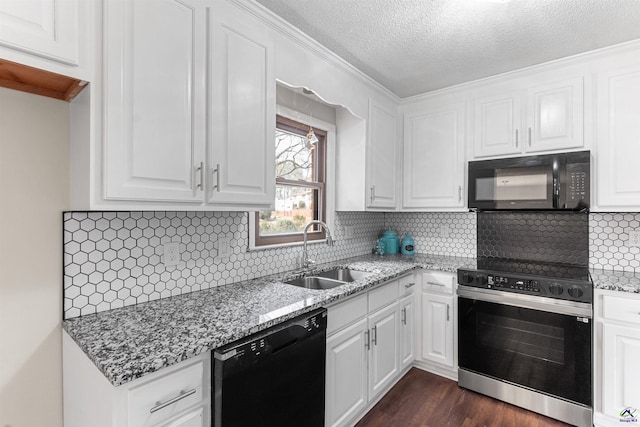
(300, 186)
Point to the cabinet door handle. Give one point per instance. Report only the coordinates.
(404, 316)
(459, 193)
(408, 285)
(217, 172)
(529, 136)
(366, 341)
(447, 312)
(516, 138)
(182, 395)
(373, 193)
(374, 337)
(436, 284)
(200, 171)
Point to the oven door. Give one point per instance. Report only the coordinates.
(537, 343)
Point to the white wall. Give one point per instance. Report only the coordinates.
(34, 183)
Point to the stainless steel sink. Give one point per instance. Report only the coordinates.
(313, 282)
(328, 279)
(343, 274)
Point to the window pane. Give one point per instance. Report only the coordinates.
(294, 156)
(295, 207)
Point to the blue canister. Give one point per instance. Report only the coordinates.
(391, 242)
(407, 246)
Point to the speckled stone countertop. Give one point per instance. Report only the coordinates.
(613, 280)
(133, 341)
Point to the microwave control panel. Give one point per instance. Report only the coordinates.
(577, 182)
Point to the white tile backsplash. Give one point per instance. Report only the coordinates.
(438, 233)
(114, 259)
(609, 247)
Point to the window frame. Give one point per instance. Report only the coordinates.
(301, 122)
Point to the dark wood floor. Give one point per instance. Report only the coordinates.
(427, 400)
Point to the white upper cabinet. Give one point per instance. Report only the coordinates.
(241, 155)
(555, 114)
(381, 157)
(433, 167)
(529, 118)
(618, 139)
(154, 100)
(186, 119)
(52, 35)
(46, 28)
(497, 125)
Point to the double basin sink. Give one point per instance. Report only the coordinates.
(329, 279)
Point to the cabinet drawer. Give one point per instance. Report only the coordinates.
(622, 309)
(344, 313)
(438, 282)
(179, 390)
(383, 295)
(407, 285)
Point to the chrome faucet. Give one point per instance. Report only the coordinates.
(305, 256)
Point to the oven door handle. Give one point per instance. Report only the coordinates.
(551, 305)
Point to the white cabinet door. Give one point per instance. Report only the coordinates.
(381, 157)
(555, 115)
(618, 146)
(434, 157)
(497, 125)
(406, 307)
(620, 368)
(46, 28)
(154, 100)
(346, 385)
(242, 115)
(383, 360)
(194, 418)
(437, 328)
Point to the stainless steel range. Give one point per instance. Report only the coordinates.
(525, 335)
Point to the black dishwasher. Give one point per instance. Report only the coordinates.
(274, 377)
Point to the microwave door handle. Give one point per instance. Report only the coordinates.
(556, 184)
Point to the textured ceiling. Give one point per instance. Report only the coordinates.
(416, 46)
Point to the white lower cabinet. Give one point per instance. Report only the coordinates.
(177, 396)
(384, 344)
(438, 330)
(406, 308)
(346, 386)
(617, 357)
(366, 348)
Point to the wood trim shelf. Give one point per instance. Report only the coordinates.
(40, 82)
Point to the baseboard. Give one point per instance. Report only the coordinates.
(440, 370)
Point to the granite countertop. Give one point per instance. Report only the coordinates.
(133, 341)
(614, 280)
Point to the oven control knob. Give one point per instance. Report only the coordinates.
(556, 289)
(575, 291)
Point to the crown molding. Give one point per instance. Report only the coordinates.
(567, 61)
(294, 34)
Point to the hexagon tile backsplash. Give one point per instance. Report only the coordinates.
(114, 259)
(609, 241)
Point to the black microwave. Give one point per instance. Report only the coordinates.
(546, 182)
